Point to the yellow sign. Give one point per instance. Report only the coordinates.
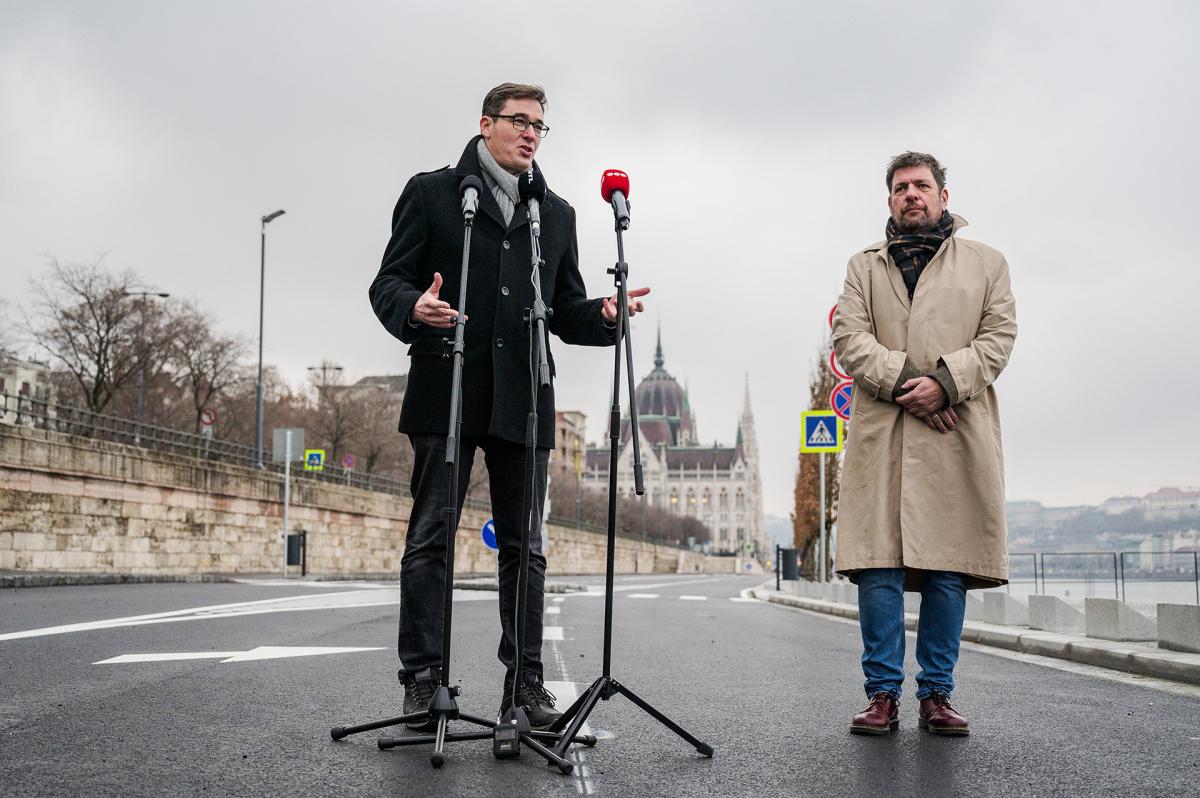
(314, 459)
(821, 431)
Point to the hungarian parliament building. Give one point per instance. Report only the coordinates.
(718, 485)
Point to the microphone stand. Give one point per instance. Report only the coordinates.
(442, 708)
(606, 686)
(513, 728)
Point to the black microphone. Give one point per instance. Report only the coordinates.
(531, 187)
(470, 188)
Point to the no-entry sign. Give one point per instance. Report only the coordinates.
(840, 399)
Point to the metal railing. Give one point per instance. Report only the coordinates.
(27, 411)
(1114, 562)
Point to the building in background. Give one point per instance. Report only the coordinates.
(22, 382)
(717, 485)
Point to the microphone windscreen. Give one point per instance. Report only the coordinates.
(531, 185)
(470, 181)
(613, 180)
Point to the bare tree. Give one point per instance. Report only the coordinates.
(83, 320)
(205, 364)
(340, 411)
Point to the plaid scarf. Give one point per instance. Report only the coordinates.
(913, 251)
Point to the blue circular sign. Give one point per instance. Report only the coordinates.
(488, 533)
(840, 399)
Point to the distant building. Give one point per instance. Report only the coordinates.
(1120, 504)
(570, 445)
(1171, 502)
(718, 485)
(388, 389)
(22, 382)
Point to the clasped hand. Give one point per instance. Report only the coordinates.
(925, 400)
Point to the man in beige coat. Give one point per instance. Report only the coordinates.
(925, 324)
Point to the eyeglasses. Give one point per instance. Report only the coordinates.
(523, 124)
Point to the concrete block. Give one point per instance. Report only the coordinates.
(1004, 610)
(1179, 627)
(852, 593)
(1052, 614)
(1111, 619)
(974, 607)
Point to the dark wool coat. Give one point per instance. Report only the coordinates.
(427, 237)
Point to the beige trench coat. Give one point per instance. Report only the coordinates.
(912, 496)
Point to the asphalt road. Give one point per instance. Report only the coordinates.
(771, 688)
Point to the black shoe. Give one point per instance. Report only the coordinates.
(535, 698)
(419, 688)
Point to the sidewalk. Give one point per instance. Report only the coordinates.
(1141, 658)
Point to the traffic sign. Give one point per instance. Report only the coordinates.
(832, 310)
(488, 533)
(208, 417)
(821, 431)
(348, 461)
(314, 459)
(840, 399)
(836, 367)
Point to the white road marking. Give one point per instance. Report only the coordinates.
(312, 601)
(262, 652)
(558, 599)
(745, 600)
(553, 610)
(693, 598)
(552, 633)
(644, 595)
(598, 590)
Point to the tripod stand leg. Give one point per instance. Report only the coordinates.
(593, 695)
(563, 765)
(703, 748)
(338, 732)
(437, 758)
(571, 711)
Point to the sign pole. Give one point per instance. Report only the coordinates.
(822, 544)
(287, 492)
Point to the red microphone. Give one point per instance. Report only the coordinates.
(614, 188)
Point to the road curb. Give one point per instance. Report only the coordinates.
(1127, 657)
(59, 580)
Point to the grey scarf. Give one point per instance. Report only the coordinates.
(502, 184)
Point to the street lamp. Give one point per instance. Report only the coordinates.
(141, 395)
(262, 284)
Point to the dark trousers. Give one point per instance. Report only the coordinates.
(423, 566)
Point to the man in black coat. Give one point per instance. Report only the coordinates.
(421, 265)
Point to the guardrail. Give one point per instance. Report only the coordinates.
(27, 411)
(1121, 572)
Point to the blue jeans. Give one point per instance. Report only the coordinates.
(939, 630)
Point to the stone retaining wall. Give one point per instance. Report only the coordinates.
(82, 505)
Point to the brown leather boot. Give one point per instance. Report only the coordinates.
(881, 716)
(936, 716)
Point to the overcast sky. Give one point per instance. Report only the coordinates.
(755, 135)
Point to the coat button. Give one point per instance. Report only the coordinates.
(504, 290)
(507, 245)
(500, 343)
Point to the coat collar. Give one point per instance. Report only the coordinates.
(469, 164)
(894, 276)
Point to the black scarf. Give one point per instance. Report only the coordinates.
(913, 251)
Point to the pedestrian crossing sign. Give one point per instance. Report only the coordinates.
(314, 459)
(821, 431)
